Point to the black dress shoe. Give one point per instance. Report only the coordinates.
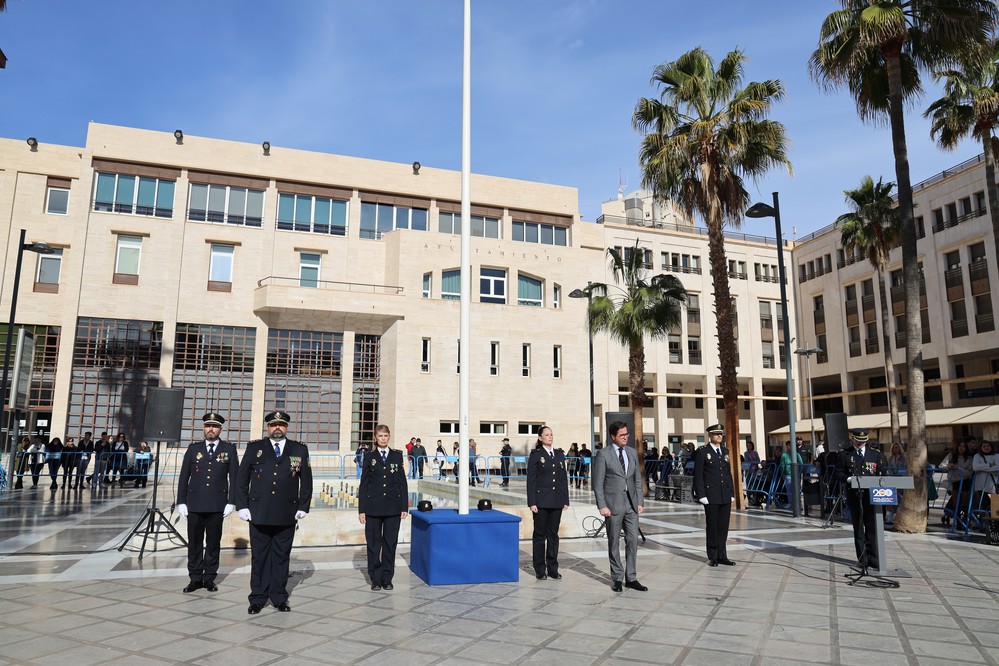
(541, 576)
(375, 587)
(211, 586)
(712, 563)
(617, 587)
(388, 586)
(283, 607)
(254, 609)
(555, 576)
(193, 586)
(727, 562)
(635, 585)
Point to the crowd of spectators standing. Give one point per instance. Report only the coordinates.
(78, 464)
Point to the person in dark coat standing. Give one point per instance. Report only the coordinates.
(547, 495)
(274, 490)
(713, 487)
(382, 503)
(206, 495)
(862, 460)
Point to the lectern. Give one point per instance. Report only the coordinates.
(884, 488)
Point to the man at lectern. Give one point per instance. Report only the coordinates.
(862, 460)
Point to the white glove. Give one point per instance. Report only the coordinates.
(229, 508)
(849, 480)
(300, 514)
(244, 514)
(704, 501)
(182, 510)
(733, 499)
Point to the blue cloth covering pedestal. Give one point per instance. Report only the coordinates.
(451, 549)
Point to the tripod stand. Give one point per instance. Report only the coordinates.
(830, 520)
(153, 519)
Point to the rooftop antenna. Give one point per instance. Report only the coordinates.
(620, 185)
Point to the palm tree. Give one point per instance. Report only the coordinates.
(636, 308)
(877, 48)
(703, 135)
(872, 228)
(970, 105)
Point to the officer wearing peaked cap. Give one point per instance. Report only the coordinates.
(206, 494)
(714, 488)
(862, 460)
(274, 490)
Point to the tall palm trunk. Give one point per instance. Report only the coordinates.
(896, 435)
(912, 512)
(636, 387)
(989, 145)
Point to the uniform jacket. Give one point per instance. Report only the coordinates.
(208, 484)
(850, 464)
(547, 480)
(272, 489)
(383, 490)
(713, 475)
(613, 488)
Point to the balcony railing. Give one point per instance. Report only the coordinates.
(954, 221)
(695, 357)
(851, 307)
(953, 277)
(958, 328)
(985, 323)
(819, 316)
(871, 345)
(855, 349)
(682, 269)
(979, 269)
(333, 285)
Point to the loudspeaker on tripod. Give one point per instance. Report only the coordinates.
(164, 414)
(837, 434)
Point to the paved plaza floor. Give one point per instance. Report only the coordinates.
(68, 596)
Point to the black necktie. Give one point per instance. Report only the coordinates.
(385, 456)
(277, 450)
(620, 456)
(211, 449)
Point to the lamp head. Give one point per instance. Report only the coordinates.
(179, 135)
(416, 168)
(577, 293)
(40, 247)
(32, 143)
(761, 210)
(266, 145)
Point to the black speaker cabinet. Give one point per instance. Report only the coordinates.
(164, 414)
(837, 435)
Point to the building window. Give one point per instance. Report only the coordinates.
(529, 291)
(425, 355)
(449, 428)
(768, 355)
(546, 234)
(427, 282)
(134, 195)
(482, 227)
(694, 350)
(492, 428)
(698, 402)
(222, 204)
(766, 321)
(557, 361)
(557, 297)
(675, 351)
(127, 256)
(525, 360)
(524, 428)
(457, 367)
(378, 218)
(451, 285)
(673, 402)
(693, 308)
(220, 269)
(57, 200)
(318, 215)
(49, 267)
(308, 269)
(492, 285)
(493, 358)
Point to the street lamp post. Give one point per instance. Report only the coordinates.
(585, 293)
(807, 353)
(40, 248)
(759, 210)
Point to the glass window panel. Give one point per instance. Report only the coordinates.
(254, 207)
(547, 234)
(451, 285)
(385, 218)
(199, 202)
(58, 201)
(49, 267)
(478, 226)
(561, 236)
(369, 213)
(216, 203)
(147, 196)
(303, 213)
(531, 233)
(321, 216)
(164, 198)
(418, 219)
(286, 211)
(129, 248)
(221, 268)
(492, 227)
(309, 270)
(338, 218)
(237, 204)
(402, 217)
(528, 291)
(105, 191)
(518, 231)
(125, 194)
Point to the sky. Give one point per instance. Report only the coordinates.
(554, 84)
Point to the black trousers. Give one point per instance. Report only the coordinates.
(505, 470)
(381, 534)
(54, 470)
(545, 540)
(270, 548)
(716, 517)
(865, 525)
(204, 539)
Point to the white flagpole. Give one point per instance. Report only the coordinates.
(466, 262)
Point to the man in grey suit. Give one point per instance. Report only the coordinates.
(617, 484)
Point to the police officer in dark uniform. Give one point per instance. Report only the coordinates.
(713, 487)
(547, 495)
(862, 460)
(382, 503)
(274, 490)
(206, 495)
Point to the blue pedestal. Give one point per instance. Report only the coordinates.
(451, 549)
